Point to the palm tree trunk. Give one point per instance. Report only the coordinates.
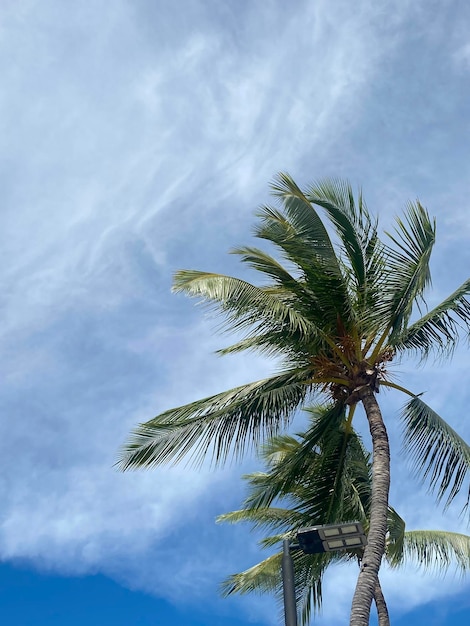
(381, 605)
(370, 564)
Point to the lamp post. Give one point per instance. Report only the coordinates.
(315, 540)
(288, 585)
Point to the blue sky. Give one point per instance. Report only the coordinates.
(139, 137)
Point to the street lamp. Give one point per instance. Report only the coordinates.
(315, 540)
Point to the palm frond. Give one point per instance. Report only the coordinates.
(273, 518)
(353, 224)
(438, 453)
(295, 290)
(291, 347)
(243, 304)
(220, 424)
(306, 222)
(303, 239)
(337, 479)
(439, 329)
(265, 488)
(321, 290)
(362, 249)
(266, 264)
(408, 264)
(330, 493)
(269, 344)
(261, 578)
(310, 253)
(297, 459)
(324, 476)
(437, 549)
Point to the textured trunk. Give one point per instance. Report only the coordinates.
(382, 611)
(370, 564)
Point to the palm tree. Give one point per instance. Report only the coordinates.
(336, 314)
(331, 483)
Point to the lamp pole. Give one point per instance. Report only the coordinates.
(288, 585)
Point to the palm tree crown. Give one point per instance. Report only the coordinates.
(335, 312)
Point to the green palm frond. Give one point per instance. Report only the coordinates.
(273, 518)
(306, 223)
(321, 289)
(291, 347)
(437, 549)
(261, 578)
(325, 431)
(408, 264)
(275, 540)
(358, 496)
(300, 234)
(266, 264)
(269, 344)
(329, 496)
(264, 489)
(295, 461)
(439, 329)
(323, 475)
(295, 290)
(363, 251)
(311, 252)
(276, 449)
(357, 231)
(337, 483)
(220, 424)
(243, 304)
(437, 452)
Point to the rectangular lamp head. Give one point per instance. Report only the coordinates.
(318, 539)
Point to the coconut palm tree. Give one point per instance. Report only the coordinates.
(330, 483)
(336, 312)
